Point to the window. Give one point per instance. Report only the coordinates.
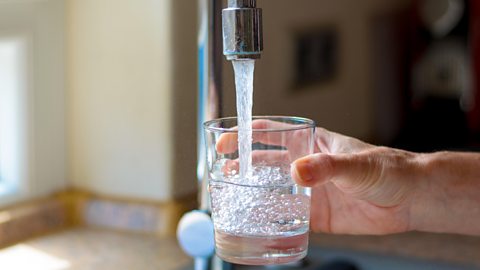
(13, 110)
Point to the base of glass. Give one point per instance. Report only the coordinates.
(261, 250)
(266, 259)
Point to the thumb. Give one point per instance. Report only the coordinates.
(317, 169)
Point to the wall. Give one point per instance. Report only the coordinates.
(42, 24)
(119, 97)
(343, 104)
(132, 97)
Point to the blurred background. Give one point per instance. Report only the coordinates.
(397, 73)
(98, 114)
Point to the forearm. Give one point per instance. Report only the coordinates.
(447, 198)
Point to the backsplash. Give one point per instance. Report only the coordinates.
(76, 208)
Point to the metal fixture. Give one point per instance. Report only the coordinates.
(242, 39)
(209, 82)
(242, 30)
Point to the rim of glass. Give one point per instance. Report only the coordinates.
(304, 123)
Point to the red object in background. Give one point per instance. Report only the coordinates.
(474, 116)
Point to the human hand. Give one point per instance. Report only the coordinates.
(357, 188)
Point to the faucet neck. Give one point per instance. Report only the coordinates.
(242, 3)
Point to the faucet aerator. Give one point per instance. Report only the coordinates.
(242, 30)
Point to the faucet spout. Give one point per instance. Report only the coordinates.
(242, 30)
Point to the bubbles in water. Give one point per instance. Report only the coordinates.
(261, 204)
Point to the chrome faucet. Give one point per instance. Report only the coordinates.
(242, 39)
(242, 30)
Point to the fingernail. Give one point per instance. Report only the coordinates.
(303, 170)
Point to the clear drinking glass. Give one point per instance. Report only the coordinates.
(261, 217)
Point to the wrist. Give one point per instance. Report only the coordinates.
(445, 199)
(421, 200)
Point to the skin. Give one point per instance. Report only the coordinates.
(359, 188)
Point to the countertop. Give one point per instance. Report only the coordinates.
(89, 248)
(436, 247)
(95, 249)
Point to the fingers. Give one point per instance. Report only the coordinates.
(262, 133)
(227, 143)
(317, 169)
(231, 167)
(380, 175)
(326, 141)
(313, 170)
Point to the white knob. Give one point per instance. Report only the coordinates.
(195, 234)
